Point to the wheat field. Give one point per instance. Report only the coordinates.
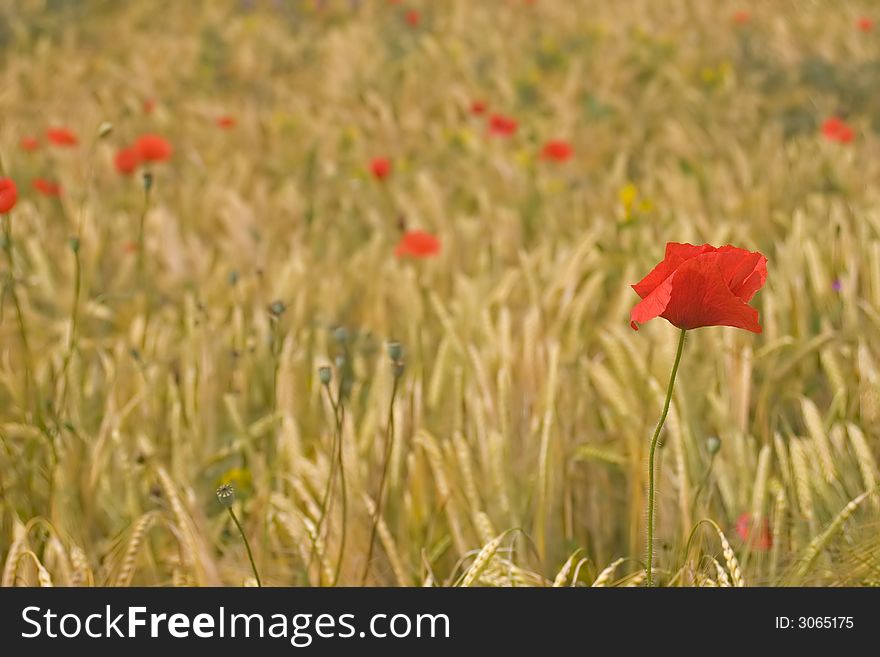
(261, 331)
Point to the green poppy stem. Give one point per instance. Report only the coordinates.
(246, 545)
(654, 440)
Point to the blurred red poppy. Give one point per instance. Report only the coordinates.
(126, 160)
(380, 167)
(702, 285)
(762, 541)
(47, 187)
(8, 194)
(149, 105)
(742, 17)
(836, 129)
(865, 24)
(226, 121)
(417, 244)
(478, 107)
(413, 18)
(503, 126)
(153, 148)
(557, 150)
(29, 143)
(61, 137)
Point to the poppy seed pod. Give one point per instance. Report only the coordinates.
(713, 444)
(395, 351)
(325, 374)
(226, 495)
(148, 180)
(277, 308)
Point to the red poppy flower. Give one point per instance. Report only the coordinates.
(380, 167)
(417, 244)
(703, 285)
(865, 24)
(557, 150)
(47, 187)
(126, 160)
(763, 541)
(226, 121)
(61, 137)
(413, 18)
(29, 143)
(149, 105)
(153, 148)
(836, 129)
(8, 194)
(742, 17)
(503, 126)
(478, 107)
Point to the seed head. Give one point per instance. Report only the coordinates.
(395, 351)
(277, 308)
(226, 495)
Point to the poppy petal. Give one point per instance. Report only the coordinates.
(676, 254)
(700, 297)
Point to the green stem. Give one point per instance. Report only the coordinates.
(340, 424)
(141, 228)
(325, 498)
(22, 328)
(377, 515)
(74, 310)
(246, 545)
(654, 440)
